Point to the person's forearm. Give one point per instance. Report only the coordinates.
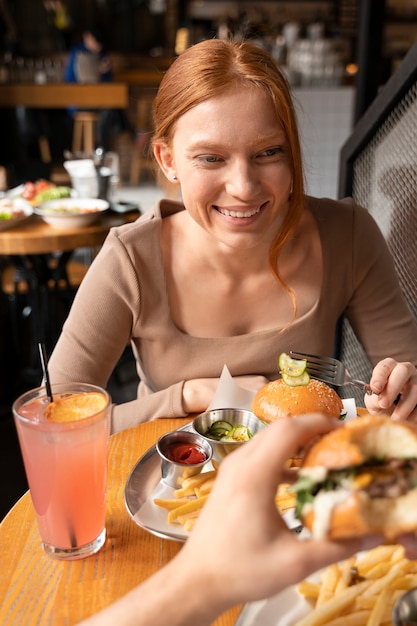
(184, 595)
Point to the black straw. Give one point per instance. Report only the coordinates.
(42, 354)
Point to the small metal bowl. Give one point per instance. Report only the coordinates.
(237, 417)
(173, 473)
(404, 612)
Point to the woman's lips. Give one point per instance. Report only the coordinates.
(245, 213)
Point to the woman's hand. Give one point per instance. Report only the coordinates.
(198, 393)
(395, 390)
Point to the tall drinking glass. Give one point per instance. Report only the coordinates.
(66, 468)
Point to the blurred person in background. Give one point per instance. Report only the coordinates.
(89, 62)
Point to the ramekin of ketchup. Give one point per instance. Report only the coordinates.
(182, 454)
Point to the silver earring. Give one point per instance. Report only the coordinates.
(174, 177)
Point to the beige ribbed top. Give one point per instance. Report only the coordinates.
(124, 298)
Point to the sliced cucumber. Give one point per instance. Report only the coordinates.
(240, 433)
(222, 424)
(295, 381)
(224, 431)
(219, 429)
(291, 367)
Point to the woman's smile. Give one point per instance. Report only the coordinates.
(239, 212)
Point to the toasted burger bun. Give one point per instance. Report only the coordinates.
(351, 511)
(277, 399)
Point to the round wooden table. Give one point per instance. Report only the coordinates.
(41, 256)
(34, 236)
(36, 589)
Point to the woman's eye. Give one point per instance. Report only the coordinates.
(271, 152)
(209, 158)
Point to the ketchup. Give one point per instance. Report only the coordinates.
(185, 453)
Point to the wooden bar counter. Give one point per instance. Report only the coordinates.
(63, 95)
(36, 589)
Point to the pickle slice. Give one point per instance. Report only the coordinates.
(291, 367)
(296, 381)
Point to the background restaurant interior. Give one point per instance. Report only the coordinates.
(337, 54)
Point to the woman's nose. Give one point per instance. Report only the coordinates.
(242, 181)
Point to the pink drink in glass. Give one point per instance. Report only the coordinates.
(66, 468)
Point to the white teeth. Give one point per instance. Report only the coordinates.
(239, 213)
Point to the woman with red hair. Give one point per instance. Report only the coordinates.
(245, 266)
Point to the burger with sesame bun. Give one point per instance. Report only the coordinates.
(278, 399)
(295, 394)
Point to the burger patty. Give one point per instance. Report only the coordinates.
(393, 479)
(390, 478)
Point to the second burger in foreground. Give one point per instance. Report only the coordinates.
(360, 479)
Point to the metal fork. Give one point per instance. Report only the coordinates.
(330, 371)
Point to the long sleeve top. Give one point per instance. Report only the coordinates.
(123, 299)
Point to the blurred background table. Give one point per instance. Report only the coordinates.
(39, 280)
(35, 589)
(34, 236)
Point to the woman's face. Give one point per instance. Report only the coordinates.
(230, 155)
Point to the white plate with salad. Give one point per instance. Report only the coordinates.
(13, 211)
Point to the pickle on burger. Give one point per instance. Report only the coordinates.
(360, 479)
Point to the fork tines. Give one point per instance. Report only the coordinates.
(317, 365)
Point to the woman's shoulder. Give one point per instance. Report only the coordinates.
(345, 212)
(147, 223)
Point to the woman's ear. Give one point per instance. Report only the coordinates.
(164, 157)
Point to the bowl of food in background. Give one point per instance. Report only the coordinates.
(72, 212)
(227, 429)
(13, 211)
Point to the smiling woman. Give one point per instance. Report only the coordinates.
(245, 267)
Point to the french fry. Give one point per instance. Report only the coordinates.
(345, 574)
(189, 485)
(375, 556)
(170, 503)
(309, 590)
(359, 618)
(328, 585)
(205, 487)
(284, 498)
(333, 607)
(189, 507)
(378, 611)
(189, 523)
(383, 575)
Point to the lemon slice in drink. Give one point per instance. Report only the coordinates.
(75, 407)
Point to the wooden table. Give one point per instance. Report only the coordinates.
(64, 95)
(45, 279)
(36, 589)
(34, 236)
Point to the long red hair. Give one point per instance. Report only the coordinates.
(208, 69)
